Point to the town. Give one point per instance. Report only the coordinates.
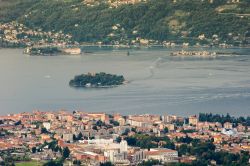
(14, 34)
(81, 138)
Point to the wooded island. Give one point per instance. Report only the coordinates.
(97, 80)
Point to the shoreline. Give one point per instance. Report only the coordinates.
(123, 113)
(136, 46)
(100, 87)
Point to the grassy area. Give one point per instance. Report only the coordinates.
(29, 163)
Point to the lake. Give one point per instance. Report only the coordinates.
(159, 83)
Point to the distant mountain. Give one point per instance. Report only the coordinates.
(116, 22)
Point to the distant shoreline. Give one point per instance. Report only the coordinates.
(160, 45)
(136, 46)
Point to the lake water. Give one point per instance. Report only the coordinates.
(158, 83)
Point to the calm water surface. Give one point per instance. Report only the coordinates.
(158, 83)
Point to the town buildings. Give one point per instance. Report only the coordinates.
(95, 138)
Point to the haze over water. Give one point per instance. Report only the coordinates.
(158, 83)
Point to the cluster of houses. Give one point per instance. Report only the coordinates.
(99, 134)
(117, 3)
(16, 33)
(112, 3)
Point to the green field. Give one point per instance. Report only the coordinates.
(29, 163)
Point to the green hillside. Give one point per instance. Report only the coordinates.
(161, 20)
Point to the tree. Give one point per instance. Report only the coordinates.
(165, 130)
(74, 137)
(183, 149)
(131, 141)
(33, 150)
(108, 163)
(169, 145)
(80, 136)
(66, 152)
(58, 162)
(100, 123)
(52, 145)
(44, 130)
(77, 162)
(150, 163)
(126, 132)
(133, 129)
(94, 128)
(115, 123)
(18, 123)
(118, 139)
(56, 149)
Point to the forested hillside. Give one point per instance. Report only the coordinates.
(161, 20)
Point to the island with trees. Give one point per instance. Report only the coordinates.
(52, 50)
(45, 51)
(97, 80)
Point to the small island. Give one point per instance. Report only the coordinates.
(51, 51)
(201, 54)
(97, 80)
(45, 51)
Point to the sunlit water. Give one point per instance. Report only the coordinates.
(158, 83)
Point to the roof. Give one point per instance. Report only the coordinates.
(91, 153)
(159, 151)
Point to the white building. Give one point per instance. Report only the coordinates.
(46, 125)
(228, 125)
(117, 152)
(99, 141)
(138, 123)
(138, 156)
(229, 132)
(68, 137)
(162, 154)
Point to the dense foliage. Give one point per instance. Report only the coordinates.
(150, 163)
(205, 151)
(9, 157)
(65, 153)
(146, 142)
(161, 20)
(96, 80)
(108, 163)
(209, 117)
(44, 51)
(58, 162)
(12, 9)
